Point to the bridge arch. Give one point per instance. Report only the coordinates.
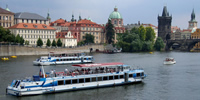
(171, 43)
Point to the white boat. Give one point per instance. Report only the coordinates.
(89, 76)
(54, 58)
(169, 61)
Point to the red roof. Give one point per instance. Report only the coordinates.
(98, 65)
(31, 26)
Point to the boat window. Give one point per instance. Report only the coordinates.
(61, 82)
(74, 59)
(87, 79)
(74, 81)
(94, 79)
(116, 76)
(81, 80)
(84, 58)
(130, 75)
(68, 82)
(121, 76)
(142, 74)
(105, 78)
(57, 59)
(138, 74)
(110, 77)
(99, 78)
(15, 83)
(89, 58)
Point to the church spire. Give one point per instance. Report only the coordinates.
(7, 8)
(193, 16)
(48, 16)
(72, 18)
(80, 17)
(165, 13)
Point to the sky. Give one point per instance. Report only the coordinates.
(132, 11)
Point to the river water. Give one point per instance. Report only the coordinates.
(180, 81)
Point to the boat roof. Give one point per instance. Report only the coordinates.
(169, 58)
(98, 65)
(64, 52)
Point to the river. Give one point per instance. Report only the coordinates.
(163, 82)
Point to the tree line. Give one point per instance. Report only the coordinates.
(139, 39)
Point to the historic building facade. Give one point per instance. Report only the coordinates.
(31, 32)
(192, 23)
(117, 21)
(67, 38)
(164, 25)
(6, 18)
(26, 17)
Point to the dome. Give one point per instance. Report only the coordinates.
(115, 14)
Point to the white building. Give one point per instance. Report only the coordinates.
(67, 38)
(31, 32)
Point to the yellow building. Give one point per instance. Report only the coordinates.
(196, 35)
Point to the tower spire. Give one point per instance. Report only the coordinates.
(193, 15)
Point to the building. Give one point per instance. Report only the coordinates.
(6, 18)
(137, 25)
(26, 17)
(164, 25)
(192, 23)
(67, 38)
(196, 35)
(31, 32)
(79, 28)
(117, 21)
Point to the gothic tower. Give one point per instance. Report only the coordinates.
(192, 22)
(164, 25)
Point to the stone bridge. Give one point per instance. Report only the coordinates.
(185, 44)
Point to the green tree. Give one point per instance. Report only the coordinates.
(109, 32)
(159, 44)
(21, 40)
(142, 33)
(59, 43)
(39, 42)
(80, 43)
(54, 43)
(26, 42)
(17, 39)
(150, 34)
(89, 38)
(134, 30)
(147, 46)
(136, 45)
(48, 43)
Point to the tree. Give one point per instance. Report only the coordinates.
(136, 45)
(142, 33)
(147, 46)
(17, 39)
(81, 43)
(150, 34)
(39, 42)
(59, 43)
(48, 43)
(26, 42)
(54, 43)
(109, 32)
(21, 40)
(89, 38)
(159, 44)
(134, 30)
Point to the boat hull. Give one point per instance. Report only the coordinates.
(169, 62)
(74, 87)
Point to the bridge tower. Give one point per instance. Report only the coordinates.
(192, 22)
(164, 25)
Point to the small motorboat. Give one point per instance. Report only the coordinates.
(169, 61)
(13, 56)
(5, 58)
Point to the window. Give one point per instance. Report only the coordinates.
(27, 21)
(22, 20)
(87, 80)
(0, 17)
(3, 17)
(74, 81)
(110, 77)
(130, 75)
(94, 79)
(121, 76)
(81, 80)
(99, 78)
(116, 76)
(61, 82)
(105, 78)
(68, 82)
(115, 22)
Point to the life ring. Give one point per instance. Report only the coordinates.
(73, 74)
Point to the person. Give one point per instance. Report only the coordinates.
(66, 71)
(54, 71)
(51, 72)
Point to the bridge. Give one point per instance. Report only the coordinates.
(184, 44)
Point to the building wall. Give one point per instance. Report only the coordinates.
(33, 21)
(6, 20)
(32, 35)
(95, 31)
(196, 35)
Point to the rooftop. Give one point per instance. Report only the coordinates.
(31, 26)
(27, 15)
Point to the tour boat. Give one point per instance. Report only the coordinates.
(169, 61)
(54, 58)
(85, 76)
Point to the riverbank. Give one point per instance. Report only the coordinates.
(10, 50)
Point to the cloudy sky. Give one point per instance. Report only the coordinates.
(132, 11)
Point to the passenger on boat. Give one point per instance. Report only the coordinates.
(66, 71)
(52, 73)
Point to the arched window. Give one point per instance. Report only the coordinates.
(115, 22)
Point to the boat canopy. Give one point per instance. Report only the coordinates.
(98, 65)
